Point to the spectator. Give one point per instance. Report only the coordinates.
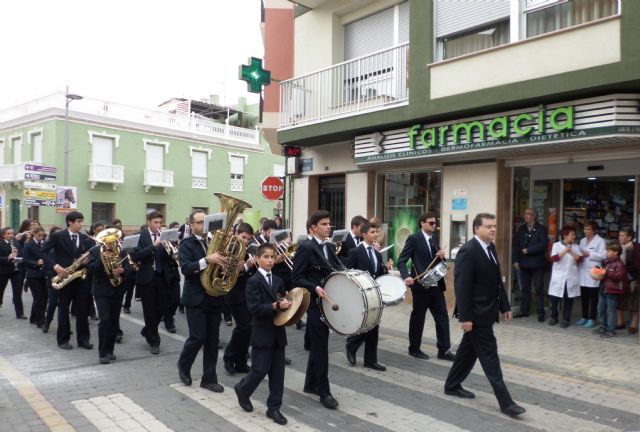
(594, 252)
(565, 278)
(630, 256)
(612, 288)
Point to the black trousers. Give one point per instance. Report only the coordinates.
(480, 343)
(589, 298)
(76, 292)
(265, 361)
(172, 301)
(38, 288)
(433, 300)
(130, 287)
(152, 308)
(204, 328)
(567, 305)
(317, 376)
(238, 346)
(17, 279)
(370, 340)
(109, 313)
(52, 302)
(529, 277)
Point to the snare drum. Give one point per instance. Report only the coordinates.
(392, 289)
(359, 299)
(435, 274)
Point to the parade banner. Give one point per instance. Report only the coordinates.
(403, 223)
(66, 199)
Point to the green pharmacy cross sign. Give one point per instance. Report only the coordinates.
(255, 75)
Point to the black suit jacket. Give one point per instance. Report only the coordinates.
(144, 253)
(480, 293)
(281, 270)
(359, 259)
(260, 298)
(6, 267)
(347, 246)
(64, 252)
(100, 284)
(30, 256)
(193, 293)
(237, 294)
(417, 250)
(310, 266)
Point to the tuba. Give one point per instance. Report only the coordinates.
(218, 280)
(110, 253)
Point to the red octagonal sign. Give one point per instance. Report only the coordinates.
(272, 188)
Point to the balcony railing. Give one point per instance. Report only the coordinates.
(13, 172)
(198, 182)
(158, 178)
(112, 174)
(368, 83)
(236, 185)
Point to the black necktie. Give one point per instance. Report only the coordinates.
(155, 237)
(372, 261)
(491, 256)
(432, 246)
(74, 240)
(269, 279)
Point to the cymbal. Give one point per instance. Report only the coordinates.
(300, 299)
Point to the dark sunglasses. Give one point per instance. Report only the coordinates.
(432, 223)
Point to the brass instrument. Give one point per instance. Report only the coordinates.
(288, 251)
(110, 253)
(135, 265)
(75, 272)
(172, 251)
(218, 280)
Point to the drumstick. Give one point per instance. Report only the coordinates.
(334, 306)
(427, 269)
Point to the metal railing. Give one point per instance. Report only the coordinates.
(13, 172)
(236, 185)
(198, 182)
(100, 173)
(158, 178)
(355, 86)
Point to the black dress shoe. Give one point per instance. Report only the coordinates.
(45, 328)
(287, 361)
(243, 401)
(85, 345)
(553, 321)
(119, 339)
(155, 349)
(541, 317)
(242, 368)
(419, 354)
(277, 416)
(313, 391)
(111, 356)
(94, 317)
(351, 357)
(513, 410)
(520, 315)
(185, 376)
(181, 308)
(447, 356)
(376, 366)
(21, 317)
(300, 325)
(65, 346)
(229, 368)
(460, 392)
(126, 310)
(105, 360)
(171, 329)
(212, 386)
(329, 402)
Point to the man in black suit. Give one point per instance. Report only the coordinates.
(149, 280)
(421, 248)
(365, 257)
(236, 351)
(67, 246)
(171, 297)
(108, 300)
(264, 292)
(9, 270)
(480, 297)
(314, 260)
(353, 239)
(35, 273)
(203, 310)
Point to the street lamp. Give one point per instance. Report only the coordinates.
(68, 98)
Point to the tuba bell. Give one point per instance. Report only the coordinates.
(110, 253)
(218, 280)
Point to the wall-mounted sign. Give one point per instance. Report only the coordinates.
(306, 165)
(66, 199)
(38, 176)
(291, 151)
(40, 168)
(459, 204)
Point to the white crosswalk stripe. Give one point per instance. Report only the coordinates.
(118, 413)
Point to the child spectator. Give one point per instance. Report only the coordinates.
(613, 286)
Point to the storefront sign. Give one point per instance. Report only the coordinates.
(306, 165)
(459, 204)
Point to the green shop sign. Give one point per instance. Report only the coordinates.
(498, 128)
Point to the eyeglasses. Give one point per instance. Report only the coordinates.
(432, 223)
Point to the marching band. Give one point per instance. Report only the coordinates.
(264, 279)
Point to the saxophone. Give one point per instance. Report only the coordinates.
(75, 272)
(110, 253)
(218, 280)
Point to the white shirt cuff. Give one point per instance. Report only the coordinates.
(203, 263)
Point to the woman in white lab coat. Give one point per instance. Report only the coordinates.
(565, 277)
(594, 252)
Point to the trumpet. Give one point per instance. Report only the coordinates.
(172, 250)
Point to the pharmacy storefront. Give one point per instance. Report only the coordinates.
(571, 161)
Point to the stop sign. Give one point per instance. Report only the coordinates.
(272, 188)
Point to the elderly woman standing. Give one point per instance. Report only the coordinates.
(565, 277)
(594, 252)
(629, 300)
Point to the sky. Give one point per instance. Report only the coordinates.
(137, 52)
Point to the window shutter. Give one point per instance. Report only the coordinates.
(403, 25)
(456, 16)
(199, 164)
(237, 165)
(17, 150)
(37, 147)
(155, 157)
(373, 33)
(102, 150)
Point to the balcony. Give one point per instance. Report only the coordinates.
(111, 174)
(236, 185)
(158, 178)
(198, 183)
(369, 83)
(13, 173)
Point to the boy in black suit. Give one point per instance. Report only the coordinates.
(365, 257)
(263, 293)
(353, 239)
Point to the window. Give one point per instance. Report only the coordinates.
(33, 212)
(331, 198)
(237, 173)
(102, 212)
(162, 208)
(475, 40)
(36, 146)
(199, 169)
(155, 157)
(102, 150)
(16, 145)
(563, 14)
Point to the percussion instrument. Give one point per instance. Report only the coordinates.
(392, 289)
(300, 299)
(359, 300)
(433, 275)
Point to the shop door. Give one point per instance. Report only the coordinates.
(521, 201)
(331, 199)
(15, 214)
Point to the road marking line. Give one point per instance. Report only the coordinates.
(226, 406)
(536, 417)
(118, 413)
(29, 392)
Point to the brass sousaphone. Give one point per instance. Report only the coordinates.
(300, 298)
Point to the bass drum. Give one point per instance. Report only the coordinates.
(392, 289)
(359, 301)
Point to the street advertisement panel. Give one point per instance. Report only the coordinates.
(66, 199)
(403, 221)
